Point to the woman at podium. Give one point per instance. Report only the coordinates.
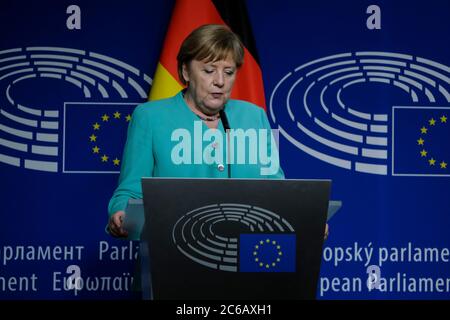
(195, 133)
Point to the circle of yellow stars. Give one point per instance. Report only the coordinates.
(422, 142)
(266, 264)
(93, 137)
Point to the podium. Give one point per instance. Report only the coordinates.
(194, 277)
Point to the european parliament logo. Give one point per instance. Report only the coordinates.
(337, 108)
(37, 133)
(236, 237)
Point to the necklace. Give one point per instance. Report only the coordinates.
(214, 118)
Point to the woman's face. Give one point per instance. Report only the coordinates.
(210, 84)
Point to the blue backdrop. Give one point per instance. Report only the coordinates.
(360, 95)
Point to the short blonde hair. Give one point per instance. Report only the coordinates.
(210, 42)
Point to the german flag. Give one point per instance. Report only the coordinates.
(191, 14)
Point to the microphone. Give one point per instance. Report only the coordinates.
(226, 126)
(224, 119)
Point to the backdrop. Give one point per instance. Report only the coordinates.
(359, 91)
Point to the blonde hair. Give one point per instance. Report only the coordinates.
(210, 42)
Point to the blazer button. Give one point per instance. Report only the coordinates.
(220, 167)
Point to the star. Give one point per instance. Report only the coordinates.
(261, 264)
(128, 117)
(105, 158)
(93, 138)
(117, 115)
(423, 153)
(443, 165)
(95, 149)
(267, 266)
(443, 119)
(256, 259)
(116, 161)
(256, 247)
(423, 130)
(432, 122)
(420, 142)
(105, 117)
(432, 162)
(96, 126)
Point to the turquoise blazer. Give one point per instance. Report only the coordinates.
(166, 139)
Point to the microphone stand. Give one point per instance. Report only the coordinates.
(226, 126)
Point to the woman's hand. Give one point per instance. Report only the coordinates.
(115, 225)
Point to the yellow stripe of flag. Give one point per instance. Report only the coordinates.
(164, 84)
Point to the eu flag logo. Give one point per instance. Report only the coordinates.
(94, 136)
(265, 252)
(421, 141)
